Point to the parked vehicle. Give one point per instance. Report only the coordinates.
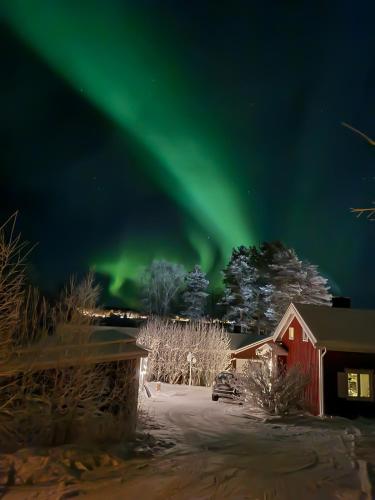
(227, 385)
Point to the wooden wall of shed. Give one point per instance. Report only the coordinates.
(306, 356)
(110, 415)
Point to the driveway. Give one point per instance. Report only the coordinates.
(194, 448)
(221, 451)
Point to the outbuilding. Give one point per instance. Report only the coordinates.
(87, 373)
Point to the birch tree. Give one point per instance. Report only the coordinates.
(161, 283)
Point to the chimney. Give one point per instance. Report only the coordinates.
(343, 302)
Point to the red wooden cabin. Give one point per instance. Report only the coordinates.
(336, 346)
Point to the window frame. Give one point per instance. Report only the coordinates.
(359, 372)
(305, 338)
(291, 333)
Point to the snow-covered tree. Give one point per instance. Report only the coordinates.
(195, 294)
(315, 289)
(162, 282)
(266, 318)
(260, 283)
(294, 280)
(287, 276)
(240, 279)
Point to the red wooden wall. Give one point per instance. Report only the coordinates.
(305, 355)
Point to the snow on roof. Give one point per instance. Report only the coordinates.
(81, 344)
(239, 340)
(340, 329)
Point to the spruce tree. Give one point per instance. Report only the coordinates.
(195, 295)
(240, 279)
(264, 316)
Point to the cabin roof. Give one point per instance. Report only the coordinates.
(340, 329)
(336, 329)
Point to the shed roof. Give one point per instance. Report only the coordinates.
(340, 329)
(239, 340)
(89, 345)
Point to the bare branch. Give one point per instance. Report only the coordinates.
(276, 391)
(76, 298)
(12, 284)
(370, 212)
(364, 136)
(170, 344)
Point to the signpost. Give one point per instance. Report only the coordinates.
(192, 360)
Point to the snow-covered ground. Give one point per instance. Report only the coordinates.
(194, 448)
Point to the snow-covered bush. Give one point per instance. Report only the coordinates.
(277, 392)
(170, 343)
(85, 403)
(12, 284)
(61, 403)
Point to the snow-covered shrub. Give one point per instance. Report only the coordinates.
(276, 391)
(61, 403)
(85, 403)
(170, 344)
(12, 284)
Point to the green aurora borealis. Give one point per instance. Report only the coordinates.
(110, 62)
(142, 129)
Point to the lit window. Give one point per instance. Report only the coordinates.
(291, 333)
(304, 336)
(364, 385)
(359, 384)
(353, 385)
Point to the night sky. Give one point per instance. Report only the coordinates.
(179, 129)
